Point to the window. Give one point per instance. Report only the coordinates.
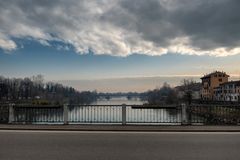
(220, 79)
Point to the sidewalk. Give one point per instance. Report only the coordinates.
(120, 128)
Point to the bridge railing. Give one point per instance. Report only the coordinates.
(38, 114)
(125, 114)
(152, 115)
(90, 114)
(214, 114)
(4, 113)
(95, 114)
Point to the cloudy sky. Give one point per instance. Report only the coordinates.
(102, 40)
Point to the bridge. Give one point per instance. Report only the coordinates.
(148, 141)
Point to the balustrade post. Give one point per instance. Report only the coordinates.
(124, 114)
(185, 120)
(65, 113)
(11, 113)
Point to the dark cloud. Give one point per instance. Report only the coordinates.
(211, 24)
(208, 24)
(123, 27)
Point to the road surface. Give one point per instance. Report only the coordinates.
(63, 145)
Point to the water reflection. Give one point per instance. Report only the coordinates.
(119, 101)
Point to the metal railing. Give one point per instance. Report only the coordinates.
(214, 114)
(105, 114)
(126, 114)
(38, 114)
(4, 113)
(161, 115)
(95, 114)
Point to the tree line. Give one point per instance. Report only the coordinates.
(188, 91)
(35, 90)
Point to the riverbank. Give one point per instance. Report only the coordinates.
(117, 128)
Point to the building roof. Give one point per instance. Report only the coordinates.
(213, 73)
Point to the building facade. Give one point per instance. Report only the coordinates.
(210, 82)
(229, 91)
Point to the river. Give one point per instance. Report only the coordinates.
(104, 111)
(119, 101)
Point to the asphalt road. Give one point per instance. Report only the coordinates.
(55, 145)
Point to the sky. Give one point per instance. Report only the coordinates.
(120, 45)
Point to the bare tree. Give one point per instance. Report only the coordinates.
(188, 88)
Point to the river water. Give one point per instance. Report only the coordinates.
(102, 114)
(119, 101)
(113, 114)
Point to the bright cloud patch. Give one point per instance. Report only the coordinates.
(124, 27)
(6, 43)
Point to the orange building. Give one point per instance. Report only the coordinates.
(210, 82)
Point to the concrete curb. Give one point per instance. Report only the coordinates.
(119, 128)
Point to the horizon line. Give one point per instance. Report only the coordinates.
(133, 77)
